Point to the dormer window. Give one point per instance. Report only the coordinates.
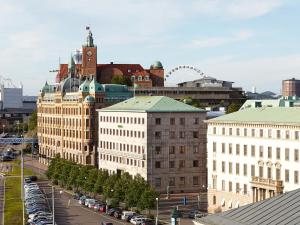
(147, 78)
(132, 78)
(140, 78)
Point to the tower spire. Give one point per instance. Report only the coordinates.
(89, 39)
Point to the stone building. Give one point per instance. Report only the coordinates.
(253, 154)
(157, 137)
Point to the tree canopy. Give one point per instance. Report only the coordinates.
(120, 79)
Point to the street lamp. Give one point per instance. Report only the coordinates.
(3, 126)
(156, 221)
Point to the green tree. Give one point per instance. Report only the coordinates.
(120, 79)
(72, 179)
(136, 188)
(233, 107)
(51, 168)
(82, 177)
(121, 186)
(32, 124)
(147, 199)
(65, 172)
(108, 187)
(91, 180)
(101, 178)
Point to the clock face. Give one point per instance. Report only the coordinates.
(89, 53)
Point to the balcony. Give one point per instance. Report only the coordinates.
(267, 183)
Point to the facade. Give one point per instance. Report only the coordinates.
(85, 64)
(291, 87)
(206, 81)
(280, 210)
(67, 123)
(157, 137)
(253, 154)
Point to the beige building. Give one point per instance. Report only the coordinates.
(253, 154)
(159, 138)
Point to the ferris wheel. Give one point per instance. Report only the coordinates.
(195, 73)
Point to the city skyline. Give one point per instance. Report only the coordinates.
(231, 40)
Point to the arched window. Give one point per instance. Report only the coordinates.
(214, 200)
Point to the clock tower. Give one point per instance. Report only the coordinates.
(89, 57)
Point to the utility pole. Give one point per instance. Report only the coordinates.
(22, 185)
(53, 214)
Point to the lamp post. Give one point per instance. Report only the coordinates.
(168, 191)
(53, 210)
(156, 220)
(3, 126)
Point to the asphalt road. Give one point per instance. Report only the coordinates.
(69, 212)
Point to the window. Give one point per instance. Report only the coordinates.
(230, 168)
(182, 180)
(195, 180)
(245, 170)
(172, 121)
(296, 155)
(269, 172)
(296, 177)
(277, 153)
(269, 133)
(223, 130)
(287, 134)
(214, 183)
(230, 148)
(196, 121)
(230, 131)
(172, 150)
(172, 134)
(157, 150)
(230, 186)
(157, 135)
(157, 164)
(214, 147)
(278, 172)
(270, 152)
(195, 149)
(245, 150)
(287, 154)
(223, 147)
(147, 78)
(195, 134)
(172, 181)
(223, 185)
(253, 150)
(253, 132)
(195, 163)
(140, 78)
(181, 149)
(278, 134)
(214, 200)
(157, 121)
(237, 187)
(287, 176)
(237, 131)
(245, 132)
(157, 182)
(245, 189)
(237, 169)
(182, 121)
(181, 134)
(261, 151)
(214, 165)
(181, 163)
(296, 135)
(261, 171)
(171, 164)
(214, 130)
(237, 149)
(261, 133)
(252, 170)
(223, 166)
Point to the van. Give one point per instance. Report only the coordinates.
(126, 214)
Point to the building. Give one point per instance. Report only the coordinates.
(280, 210)
(84, 64)
(67, 123)
(15, 108)
(291, 87)
(157, 137)
(207, 91)
(291, 101)
(253, 154)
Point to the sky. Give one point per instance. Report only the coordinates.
(249, 42)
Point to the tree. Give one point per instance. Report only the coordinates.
(82, 177)
(101, 178)
(120, 79)
(121, 186)
(91, 180)
(108, 187)
(233, 107)
(136, 188)
(147, 199)
(65, 172)
(72, 179)
(32, 124)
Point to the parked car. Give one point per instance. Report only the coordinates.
(77, 196)
(118, 213)
(192, 214)
(82, 200)
(106, 223)
(126, 214)
(137, 220)
(103, 208)
(112, 211)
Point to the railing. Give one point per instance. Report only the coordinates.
(267, 181)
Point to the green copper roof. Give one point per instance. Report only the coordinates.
(95, 86)
(270, 115)
(152, 104)
(89, 99)
(84, 87)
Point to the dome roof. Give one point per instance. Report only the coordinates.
(69, 84)
(157, 65)
(89, 99)
(95, 86)
(84, 87)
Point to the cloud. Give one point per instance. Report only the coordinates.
(209, 42)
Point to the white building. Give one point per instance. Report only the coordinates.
(157, 137)
(253, 154)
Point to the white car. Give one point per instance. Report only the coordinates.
(126, 214)
(87, 201)
(137, 220)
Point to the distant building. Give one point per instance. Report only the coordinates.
(261, 96)
(253, 154)
(279, 210)
(14, 107)
(291, 87)
(159, 138)
(207, 91)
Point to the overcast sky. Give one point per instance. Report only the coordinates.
(249, 42)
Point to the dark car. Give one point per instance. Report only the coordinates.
(118, 213)
(33, 178)
(112, 211)
(106, 223)
(77, 196)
